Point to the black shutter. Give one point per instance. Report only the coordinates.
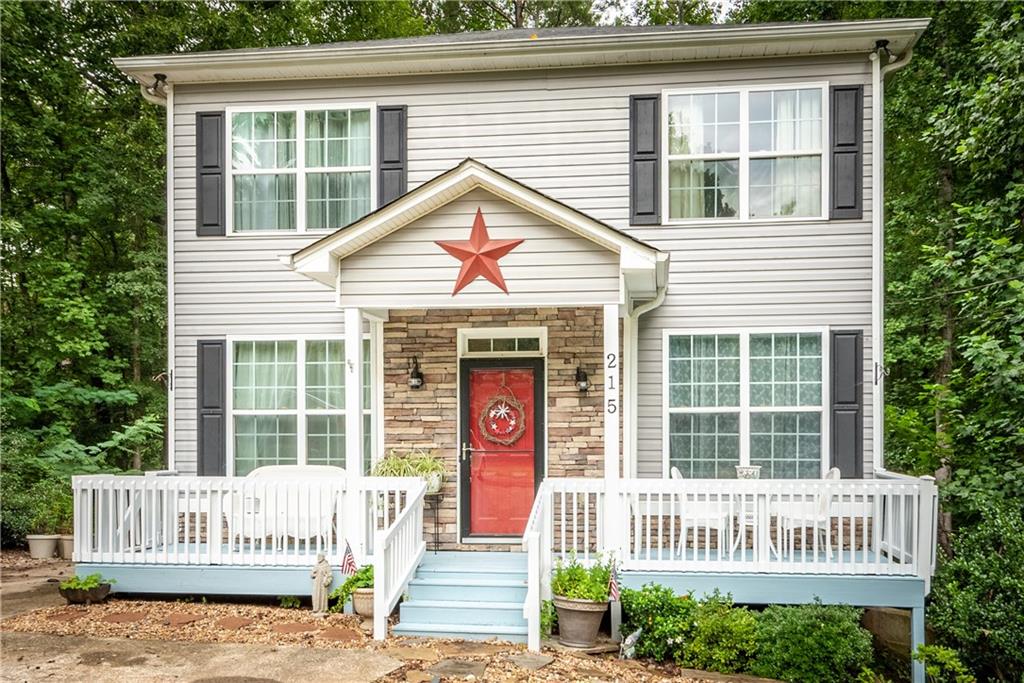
(210, 186)
(847, 143)
(644, 167)
(847, 383)
(211, 387)
(392, 153)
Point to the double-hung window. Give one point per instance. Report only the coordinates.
(288, 403)
(746, 398)
(300, 169)
(747, 153)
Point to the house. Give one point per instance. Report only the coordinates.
(601, 271)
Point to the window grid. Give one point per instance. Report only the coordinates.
(799, 449)
(310, 429)
(303, 211)
(811, 195)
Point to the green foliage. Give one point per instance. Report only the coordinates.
(811, 643)
(578, 582)
(723, 637)
(363, 578)
(85, 583)
(289, 601)
(667, 620)
(548, 618)
(414, 462)
(943, 665)
(978, 595)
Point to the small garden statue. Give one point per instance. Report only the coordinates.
(627, 650)
(322, 578)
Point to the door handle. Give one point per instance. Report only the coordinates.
(466, 450)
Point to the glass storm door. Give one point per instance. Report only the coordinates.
(501, 446)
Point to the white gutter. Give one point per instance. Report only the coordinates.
(878, 74)
(169, 103)
(631, 332)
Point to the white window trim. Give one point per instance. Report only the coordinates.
(744, 155)
(465, 334)
(300, 411)
(300, 169)
(744, 409)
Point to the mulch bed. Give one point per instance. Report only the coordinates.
(263, 624)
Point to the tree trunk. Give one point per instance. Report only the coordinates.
(942, 378)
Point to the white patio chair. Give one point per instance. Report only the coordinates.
(286, 510)
(699, 514)
(816, 515)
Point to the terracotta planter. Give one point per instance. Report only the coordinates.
(42, 546)
(66, 545)
(578, 620)
(362, 601)
(85, 596)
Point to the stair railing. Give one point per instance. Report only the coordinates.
(398, 551)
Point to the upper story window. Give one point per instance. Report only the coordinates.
(745, 153)
(298, 169)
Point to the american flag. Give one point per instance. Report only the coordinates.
(613, 584)
(348, 562)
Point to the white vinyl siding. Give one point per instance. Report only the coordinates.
(746, 398)
(565, 133)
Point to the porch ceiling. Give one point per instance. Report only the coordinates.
(641, 269)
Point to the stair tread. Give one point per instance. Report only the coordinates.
(465, 604)
(458, 628)
(496, 583)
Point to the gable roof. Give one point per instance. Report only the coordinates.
(319, 260)
(527, 49)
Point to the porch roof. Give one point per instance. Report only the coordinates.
(643, 269)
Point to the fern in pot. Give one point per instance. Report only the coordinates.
(413, 463)
(359, 587)
(580, 596)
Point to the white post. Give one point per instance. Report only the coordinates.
(612, 412)
(354, 525)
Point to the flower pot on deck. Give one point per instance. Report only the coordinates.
(578, 620)
(42, 546)
(66, 545)
(85, 596)
(362, 601)
(434, 482)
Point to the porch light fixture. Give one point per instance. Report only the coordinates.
(415, 376)
(582, 380)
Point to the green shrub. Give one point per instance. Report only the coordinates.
(666, 620)
(724, 636)
(978, 596)
(85, 582)
(575, 581)
(363, 578)
(943, 665)
(811, 643)
(289, 601)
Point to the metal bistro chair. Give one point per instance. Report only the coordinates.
(810, 514)
(698, 514)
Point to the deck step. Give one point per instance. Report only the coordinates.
(481, 613)
(504, 590)
(514, 634)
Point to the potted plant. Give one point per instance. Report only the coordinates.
(43, 543)
(64, 511)
(85, 590)
(413, 463)
(580, 596)
(359, 587)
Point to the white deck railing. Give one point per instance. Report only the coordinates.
(399, 549)
(850, 527)
(233, 520)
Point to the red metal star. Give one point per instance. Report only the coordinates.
(479, 255)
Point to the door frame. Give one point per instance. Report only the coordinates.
(538, 365)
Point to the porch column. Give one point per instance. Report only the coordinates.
(612, 412)
(355, 525)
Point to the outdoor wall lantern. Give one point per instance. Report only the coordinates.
(415, 376)
(582, 381)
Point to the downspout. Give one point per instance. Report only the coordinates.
(631, 399)
(878, 74)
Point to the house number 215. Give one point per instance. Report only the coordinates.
(611, 365)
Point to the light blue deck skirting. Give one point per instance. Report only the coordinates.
(188, 579)
(793, 589)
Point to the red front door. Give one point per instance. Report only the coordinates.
(499, 454)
